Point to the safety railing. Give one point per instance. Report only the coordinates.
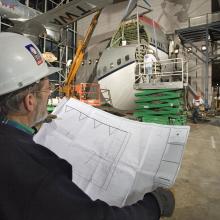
(106, 96)
(170, 71)
(204, 19)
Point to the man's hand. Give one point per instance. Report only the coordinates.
(49, 118)
(166, 201)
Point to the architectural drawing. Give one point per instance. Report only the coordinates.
(114, 159)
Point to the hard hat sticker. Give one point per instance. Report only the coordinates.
(34, 52)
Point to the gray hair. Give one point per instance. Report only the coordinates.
(11, 102)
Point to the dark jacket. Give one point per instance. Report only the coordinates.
(35, 184)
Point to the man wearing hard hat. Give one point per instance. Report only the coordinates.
(149, 61)
(35, 183)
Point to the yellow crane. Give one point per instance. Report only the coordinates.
(68, 88)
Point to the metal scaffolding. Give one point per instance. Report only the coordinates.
(64, 49)
(203, 29)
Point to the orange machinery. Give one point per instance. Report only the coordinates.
(85, 92)
(89, 93)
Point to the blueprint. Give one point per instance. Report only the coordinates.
(114, 159)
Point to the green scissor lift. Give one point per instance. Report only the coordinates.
(162, 106)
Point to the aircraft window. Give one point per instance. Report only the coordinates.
(127, 57)
(111, 65)
(104, 69)
(119, 61)
(151, 39)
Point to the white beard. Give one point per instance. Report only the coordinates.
(40, 115)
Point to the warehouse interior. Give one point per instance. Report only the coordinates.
(96, 51)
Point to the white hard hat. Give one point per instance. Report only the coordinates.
(21, 63)
(150, 51)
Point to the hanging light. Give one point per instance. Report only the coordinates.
(189, 49)
(176, 51)
(203, 48)
(68, 63)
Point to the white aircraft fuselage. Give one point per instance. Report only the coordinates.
(118, 64)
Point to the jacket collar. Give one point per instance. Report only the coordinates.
(12, 123)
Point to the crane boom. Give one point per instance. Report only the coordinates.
(79, 56)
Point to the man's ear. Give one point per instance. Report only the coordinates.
(29, 102)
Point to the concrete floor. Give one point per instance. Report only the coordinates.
(197, 187)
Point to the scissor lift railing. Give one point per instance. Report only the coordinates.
(170, 73)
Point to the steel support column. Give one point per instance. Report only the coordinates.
(45, 10)
(207, 69)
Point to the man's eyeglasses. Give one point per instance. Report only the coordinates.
(51, 89)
